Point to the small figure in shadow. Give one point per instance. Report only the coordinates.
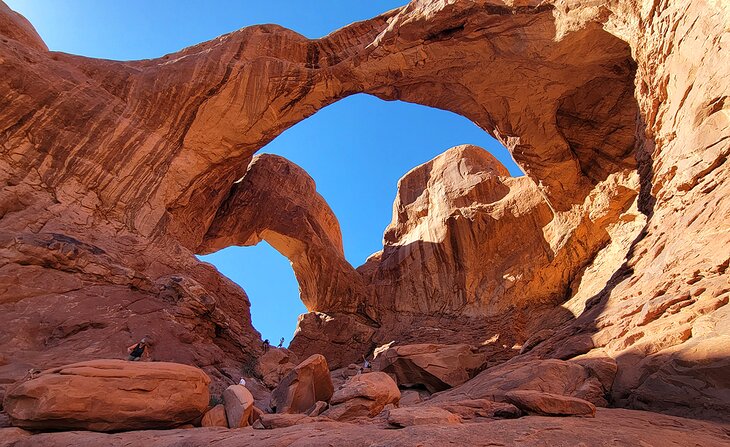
(137, 350)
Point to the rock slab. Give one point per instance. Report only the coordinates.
(364, 395)
(238, 403)
(109, 395)
(303, 387)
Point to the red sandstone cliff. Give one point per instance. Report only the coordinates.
(114, 174)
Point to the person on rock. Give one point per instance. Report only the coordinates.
(281, 342)
(265, 345)
(137, 350)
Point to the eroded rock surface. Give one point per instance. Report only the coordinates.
(408, 417)
(609, 427)
(363, 395)
(114, 174)
(109, 395)
(238, 404)
(435, 367)
(303, 387)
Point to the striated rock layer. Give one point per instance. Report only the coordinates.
(114, 174)
(109, 395)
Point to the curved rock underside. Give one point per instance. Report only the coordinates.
(113, 175)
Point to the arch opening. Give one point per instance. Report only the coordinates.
(356, 150)
(269, 281)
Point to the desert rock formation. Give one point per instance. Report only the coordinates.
(113, 175)
(121, 395)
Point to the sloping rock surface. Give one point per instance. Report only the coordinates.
(608, 428)
(363, 395)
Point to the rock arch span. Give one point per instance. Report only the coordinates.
(113, 173)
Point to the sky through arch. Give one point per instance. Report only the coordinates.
(355, 149)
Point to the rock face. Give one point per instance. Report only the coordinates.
(343, 337)
(303, 387)
(564, 378)
(436, 367)
(274, 365)
(114, 174)
(615, 426)
(109, 395)
(363, 395)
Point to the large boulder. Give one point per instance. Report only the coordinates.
(589, 379)
(274, 365)
(436, 367)
(536, 402)
(238, 402)
(306, 384)
(364, 395)
(109, 395)
(271, 421)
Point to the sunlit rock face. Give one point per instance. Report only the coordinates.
(114, 174)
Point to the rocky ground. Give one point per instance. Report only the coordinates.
(597, 280)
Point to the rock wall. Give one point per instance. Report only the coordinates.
(114, 174)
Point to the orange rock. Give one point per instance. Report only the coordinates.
(619, 426)
(483, 408)
(363, 395)
(215, 417)
(306, 384)
(537, 402)
(271, 421)
(550, 376)
(109, 395)
(238, 403)
(408, 417)
(317, 409)
(274, 364)
(617, 114)
(436, 367)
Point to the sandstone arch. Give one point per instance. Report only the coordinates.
(112, 173)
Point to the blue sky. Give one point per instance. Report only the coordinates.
(356, 149)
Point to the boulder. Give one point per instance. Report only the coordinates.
(536, 402)
(238, 403)
(271, 421)
(109, 395)
(317, 409)
(407, 417)
(306, 384)
(274, 365)
(215, 417)
(484, 408)
(364, 395)
(436, 367)
(565, 378)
